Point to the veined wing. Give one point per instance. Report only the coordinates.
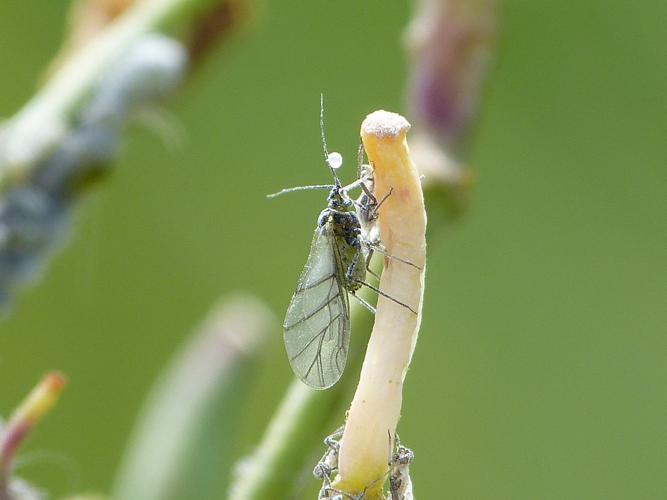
(317, 324)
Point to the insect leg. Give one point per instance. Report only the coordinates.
(372, 206)
(327, 490)
(351, 186)
(328, 464)
(370, 308)
(384, 198)
(380, 292)
(400, 484)
(368, 263)
(337, 434)
(370, 195)
(380, 249)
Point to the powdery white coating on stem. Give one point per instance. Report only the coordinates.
(43, 121)
(370, 429)
(384, 124)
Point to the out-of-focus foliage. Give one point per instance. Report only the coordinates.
(540, 368)
(180, 447)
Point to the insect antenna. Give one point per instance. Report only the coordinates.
(300, 188)
(360, 159)
(333, 158)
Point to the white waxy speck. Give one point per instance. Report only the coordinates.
(335, 160)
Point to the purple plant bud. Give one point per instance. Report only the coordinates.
(450, 43)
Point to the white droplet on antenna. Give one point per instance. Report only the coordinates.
(335, 160)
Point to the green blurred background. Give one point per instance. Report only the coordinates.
(541, 368)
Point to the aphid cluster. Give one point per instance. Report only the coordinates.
(35, 213)
(398, 470)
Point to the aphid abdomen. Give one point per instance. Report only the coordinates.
(347, 236)
(352, 261)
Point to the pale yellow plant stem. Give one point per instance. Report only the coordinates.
(370, 429)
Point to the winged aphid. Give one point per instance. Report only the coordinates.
(317, 323)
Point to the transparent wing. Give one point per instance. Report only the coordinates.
(317, 324)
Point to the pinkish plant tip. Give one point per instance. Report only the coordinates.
(55, 381)
(31, 410)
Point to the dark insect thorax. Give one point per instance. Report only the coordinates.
(343, 220)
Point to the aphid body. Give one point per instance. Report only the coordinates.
(317, 323)
(342, 220)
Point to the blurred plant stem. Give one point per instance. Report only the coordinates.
(298, 426)
(113, 67)
(35, 214)
(43, 121)
(450, 45)
(185, 435)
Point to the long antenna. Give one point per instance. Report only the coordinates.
(324, 141)
(300, 188)
(360, 158)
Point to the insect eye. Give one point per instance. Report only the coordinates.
(335, 160)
